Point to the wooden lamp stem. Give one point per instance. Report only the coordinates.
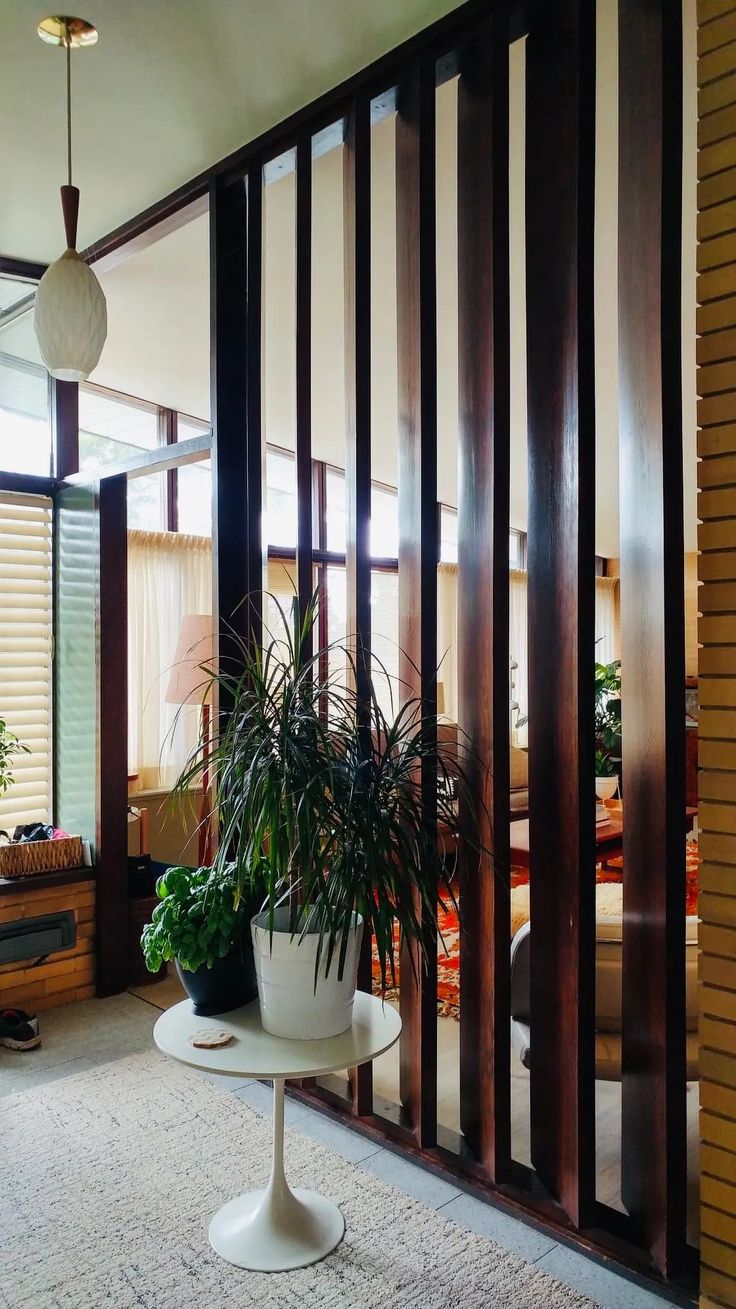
(70, 210)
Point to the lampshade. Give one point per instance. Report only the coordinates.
(70, 318)
(188, 683)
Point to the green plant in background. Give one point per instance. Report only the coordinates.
(332, 815)
(199, 918)
(607, 718)
(10, 748)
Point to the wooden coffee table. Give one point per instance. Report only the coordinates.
(609, 839)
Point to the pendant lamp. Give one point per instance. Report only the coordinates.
(71, 314)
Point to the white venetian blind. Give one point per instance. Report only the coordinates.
(25, 653)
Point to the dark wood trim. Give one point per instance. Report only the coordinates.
(112, 825)
(25, 270)
(654, 1147)
(191, 451)
(560, 100)
(42, 881)
(357, 257)
(27, 484)
(417, 386)
(373, 80)
(304, 486)
(483, 592)
(64, 408)
(254, 425)
(228, 391)
(611, 1240)
(153, 224)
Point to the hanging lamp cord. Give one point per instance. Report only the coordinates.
(69, 103)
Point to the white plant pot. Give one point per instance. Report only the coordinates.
(290, 1004)
(606, 787)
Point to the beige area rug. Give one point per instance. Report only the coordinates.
(109, 1180)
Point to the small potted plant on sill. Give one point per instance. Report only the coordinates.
(203, 924)
(331, 817)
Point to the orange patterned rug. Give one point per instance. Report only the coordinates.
(448, 945)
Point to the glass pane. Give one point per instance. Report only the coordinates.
(13, 292)
(385, 640)
(146, 501)
(187, 427)
(384, 523)
(25, 430)
(195, 498)
(448, 535)
(336, 511)
(514, 550)
(279, 520)
(336, 625)
(132, 426)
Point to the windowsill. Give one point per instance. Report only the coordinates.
(42, 881)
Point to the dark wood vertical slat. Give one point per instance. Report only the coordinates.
(560, 105)
(483, 591)
(418, 538)
(228, 390)
(304, 542)
(254, 425)
(112, 782)
(64, 402)
(654, 1151)
(357, 247)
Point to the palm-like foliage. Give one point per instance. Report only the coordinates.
(607, 718)
(332, 815)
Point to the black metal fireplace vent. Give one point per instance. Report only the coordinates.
(35, 938)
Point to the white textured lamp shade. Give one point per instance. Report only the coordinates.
(70, 318)
(188, 683)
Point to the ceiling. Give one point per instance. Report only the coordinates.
(170, 88)
(176, 96)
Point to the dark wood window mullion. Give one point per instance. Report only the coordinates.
(483, 592)
(418, 536)
(560, 176)
(64, 411)
(168, 428)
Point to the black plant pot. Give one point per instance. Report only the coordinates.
(228, 984)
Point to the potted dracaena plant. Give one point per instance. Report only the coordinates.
(329, 818)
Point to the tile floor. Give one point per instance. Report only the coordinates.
(81, 1036)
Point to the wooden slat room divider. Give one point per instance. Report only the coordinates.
(472, 45)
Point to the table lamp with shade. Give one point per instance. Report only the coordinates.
(189, 684)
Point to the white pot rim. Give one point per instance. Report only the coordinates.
(260, 923)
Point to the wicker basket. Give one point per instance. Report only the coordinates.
(32, 857)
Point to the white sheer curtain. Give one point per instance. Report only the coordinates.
(447, 638)
(169, 576)
(607, 646)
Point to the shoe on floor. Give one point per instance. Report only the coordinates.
(19, 1030)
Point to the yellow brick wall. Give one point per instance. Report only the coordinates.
(68, 974)
(716, 325)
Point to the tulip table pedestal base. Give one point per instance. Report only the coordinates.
(275, 1229)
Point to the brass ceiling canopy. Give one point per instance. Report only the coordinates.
(62, 29)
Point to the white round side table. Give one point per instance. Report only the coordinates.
(275, 1229)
